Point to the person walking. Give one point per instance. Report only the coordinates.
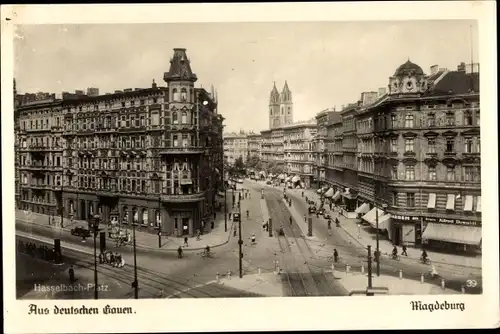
(404, 250)
(335, 255)
(179, 252)
(291, 221)
(186, 241)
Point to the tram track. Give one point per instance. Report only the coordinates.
(311, 283)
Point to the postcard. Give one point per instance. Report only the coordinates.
(277, 166)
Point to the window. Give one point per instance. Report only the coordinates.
(469, 173)
(394, 145)
(183, 94)
(184, 117)
(468, 145)
(123, 104)
(394, 172)
(478, 123)
(132, 103)
(142, 102)
(410, 173)
(450, 173)
(176, 141)
(431, 120)
(175, 95)
(410, 200)
(174, 118)
(409, 145)
(409, 121)
(431, 142)
(478, 144)
(450, 119)
(450, 145)
(432, 174)
(468, 118)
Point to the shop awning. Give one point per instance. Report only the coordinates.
(478, 204)
(468, 203)
(336, 196)
(329, 193)
(461, 234)
(383, 219)
(295, 179)
(431, 204)
(450, 203)
(363, 208)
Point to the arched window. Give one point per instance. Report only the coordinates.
(144, 216)
(125, 215)
(174, 118)
(184, 117)
(155, 182)
(183, 94)
(468, 118)
(175, 94)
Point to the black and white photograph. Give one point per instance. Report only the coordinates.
(246, 160)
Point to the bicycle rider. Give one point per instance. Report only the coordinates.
(394, 252)
(424, 256)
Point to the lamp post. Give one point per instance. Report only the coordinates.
(135, 283)
(240, 242)
(225, 207)
(62, 199)
(369, 269)
(95, 228)
(377, 257)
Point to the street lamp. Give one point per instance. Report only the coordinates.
(240, 242)
(377, 257)
(135, 284)
(95, 228)
(159, 223)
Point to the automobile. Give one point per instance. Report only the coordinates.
(268, 182)
(312, 209)
(327, 216)
(240, 181)
(80, 231)
(321, 211)
(236, 217)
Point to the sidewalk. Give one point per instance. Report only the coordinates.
(357, 281)
(266, 284)
(216, 237)
(364, 237)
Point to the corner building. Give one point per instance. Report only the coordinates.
(150, 157)
(416, 151)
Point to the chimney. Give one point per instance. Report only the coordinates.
(153, 85)
(461, 67)
(382, 91)
(368, 97)
(434, 69)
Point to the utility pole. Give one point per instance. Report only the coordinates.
(136, 283)
(377, 256)
(95, 225)
(62, 199)
(240, 242)
(225, 207)
(369, 269)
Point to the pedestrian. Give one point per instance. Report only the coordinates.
(179, 252)
(229, 215)
(215, 215)
(335, 255)
(290, 220)
(71, 273)
(404, 250)
(186, 241)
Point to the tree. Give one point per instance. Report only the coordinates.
(239, 166)
(254, 162)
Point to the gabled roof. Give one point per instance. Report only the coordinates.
(457, 82)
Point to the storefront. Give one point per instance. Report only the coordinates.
(349, 200)
(457, 234)
(405, 230)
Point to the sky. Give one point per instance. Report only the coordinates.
(326, 64)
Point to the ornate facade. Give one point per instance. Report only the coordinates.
(150, 157)
(235, 146)
(280, 107)
(298, 150)
(416, 152)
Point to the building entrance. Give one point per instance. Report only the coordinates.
(185, 226)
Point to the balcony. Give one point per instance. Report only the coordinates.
(182, 150)
(450, 153)
(40, 148)
(185, 198)
(39, 186)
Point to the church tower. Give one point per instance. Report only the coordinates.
(286, 106)
(274, 108)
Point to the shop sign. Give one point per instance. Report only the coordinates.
(405, 218)
(452, 221)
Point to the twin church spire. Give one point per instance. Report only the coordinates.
(280, 107)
